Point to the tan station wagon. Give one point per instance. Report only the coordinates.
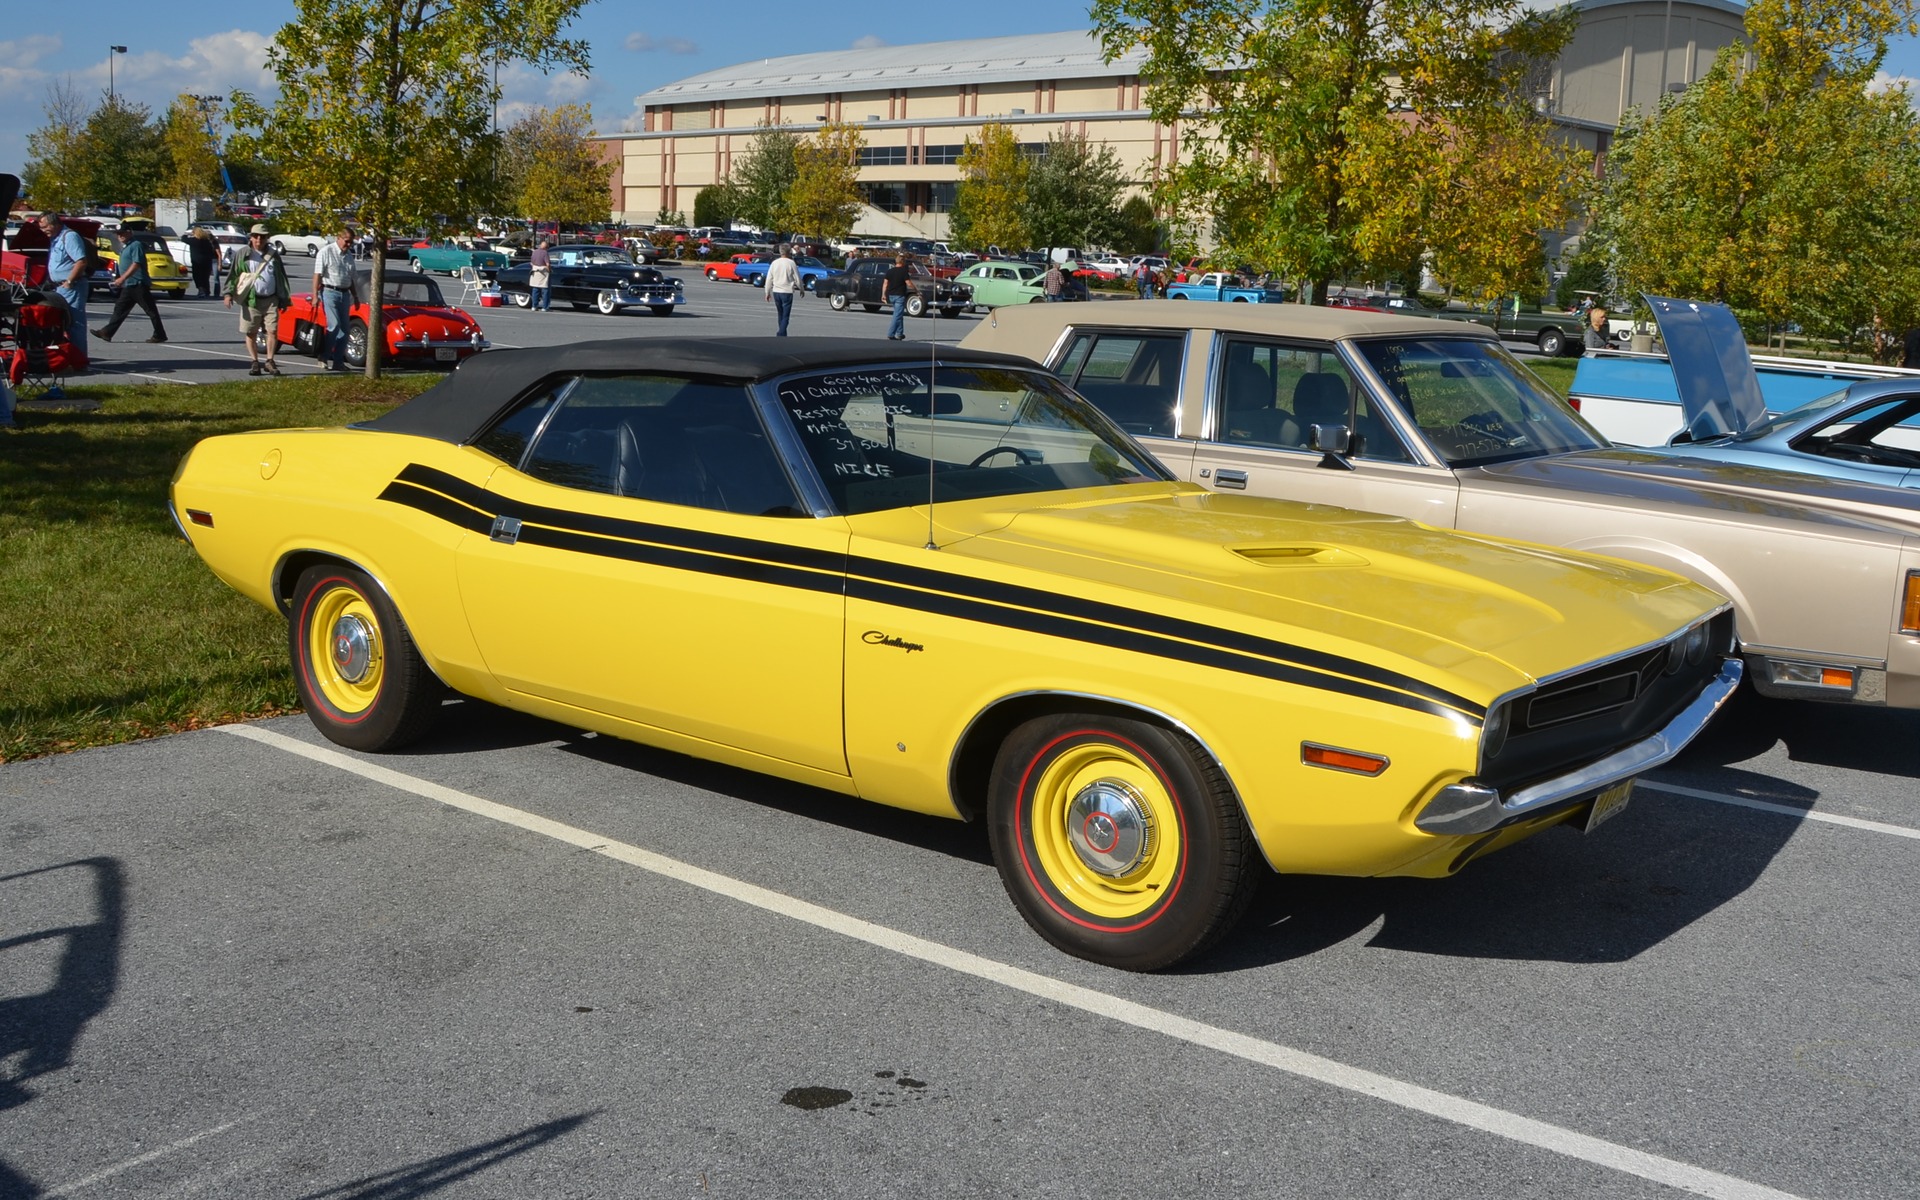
(1434, 420)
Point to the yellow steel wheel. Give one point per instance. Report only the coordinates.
(1105, 831)
(1118, 840)
(344, 646)
(361, 679)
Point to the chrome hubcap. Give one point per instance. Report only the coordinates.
(1109, 828)
(352, 648)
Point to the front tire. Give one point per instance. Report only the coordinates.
(417, 268)
(522, 299)
(357, 344)
(662, 310)
(360, 676)
(837, 302)
(1120, 842)
(606, 303)
(1552, 343)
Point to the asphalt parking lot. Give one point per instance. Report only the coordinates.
(521, 961)
(204, 345)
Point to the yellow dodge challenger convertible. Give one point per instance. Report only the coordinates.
(938, 579)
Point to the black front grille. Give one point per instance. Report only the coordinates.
(1590, 714)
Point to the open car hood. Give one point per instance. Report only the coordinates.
(1719, 391)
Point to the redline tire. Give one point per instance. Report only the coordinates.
(360, 677)
(1118, 841)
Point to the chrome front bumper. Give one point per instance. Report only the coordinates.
(1471, 808)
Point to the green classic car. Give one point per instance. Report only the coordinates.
(450, 257)
(996, 283)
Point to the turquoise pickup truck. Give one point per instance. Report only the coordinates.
(449, 257)
(1219, 285)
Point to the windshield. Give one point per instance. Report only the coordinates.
(881, 437)
(1474, 401)
(1817, 407)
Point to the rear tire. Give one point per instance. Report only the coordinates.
(360, 676)
(1552, 343)
(1119, 841)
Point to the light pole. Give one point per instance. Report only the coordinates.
(111, 51)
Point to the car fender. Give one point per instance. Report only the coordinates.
(1681, 560)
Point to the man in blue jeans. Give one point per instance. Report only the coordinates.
(67, 275)
(893, 290)
(336, 283)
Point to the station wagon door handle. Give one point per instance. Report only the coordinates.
(1230, 479)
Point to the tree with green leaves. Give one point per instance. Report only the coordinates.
(194, 161)
(990, 201)
(55, 175)
(555, 172)
(763, 174)
(825, 197)
(387, 104)
(1780, 183)
(716, 204)
(1140, 230)
(1073, 193)
(1295, 155)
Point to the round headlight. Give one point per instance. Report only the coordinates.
(1696, 643)
(1493, 734)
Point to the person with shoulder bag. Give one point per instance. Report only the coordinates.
(257, 284)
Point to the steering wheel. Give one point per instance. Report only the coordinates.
(1021, 455)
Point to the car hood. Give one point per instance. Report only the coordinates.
(1719, 389)
(1480, 615)
(1675, 480)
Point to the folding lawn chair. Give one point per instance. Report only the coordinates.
(42, 351)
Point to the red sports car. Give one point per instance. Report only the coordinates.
(725, 270)
(421, 326)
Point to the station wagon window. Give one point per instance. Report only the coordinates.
(667, 438)
(893, 436)
(1272, 394)
(1474, 401)
(1134, 378)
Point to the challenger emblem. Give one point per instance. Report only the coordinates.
(873, 637)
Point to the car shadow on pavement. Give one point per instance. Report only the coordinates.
(1561, 896)
(1884, 741)
(42, 1028)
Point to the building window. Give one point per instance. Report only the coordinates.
(886, 197)
(944, 156)
(883, 156)
(940, 197)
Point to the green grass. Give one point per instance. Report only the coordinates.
(113, 629)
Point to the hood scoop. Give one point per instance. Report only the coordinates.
(1300, 555)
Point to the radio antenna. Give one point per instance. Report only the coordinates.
(933, 407)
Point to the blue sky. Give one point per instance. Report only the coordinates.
(636, 47)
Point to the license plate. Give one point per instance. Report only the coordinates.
(1608, 803)
(445, 354)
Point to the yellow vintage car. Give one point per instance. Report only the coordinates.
(164, 275)
(940, 580)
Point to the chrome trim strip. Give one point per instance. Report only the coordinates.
(1471, 808)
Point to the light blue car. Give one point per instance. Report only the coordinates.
(812, 271)
(1865, 432)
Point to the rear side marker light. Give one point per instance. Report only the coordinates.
(200, 518)
(1910, 604)
(1334, 759)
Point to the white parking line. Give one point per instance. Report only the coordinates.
(68, 1189)
(1458, 1110)
(1785, 810)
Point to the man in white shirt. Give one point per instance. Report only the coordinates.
(783, 280)
(335, 287)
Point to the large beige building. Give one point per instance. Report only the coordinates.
(918, 105)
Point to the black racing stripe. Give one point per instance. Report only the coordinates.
(1076, 630)
(833, 582)
(990, 602)
(436, 505)
(1155, 623)
(614, 527)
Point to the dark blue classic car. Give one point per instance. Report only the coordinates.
(603, 277)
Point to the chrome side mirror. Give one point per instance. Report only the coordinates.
(1334, 443)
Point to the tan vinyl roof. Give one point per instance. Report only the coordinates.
(1282, 320)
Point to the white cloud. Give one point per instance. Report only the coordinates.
(1884, 82)
(646, 43)
(869, 42)
(23, 52)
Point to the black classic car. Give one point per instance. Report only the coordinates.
(860, 284)
(604, 277)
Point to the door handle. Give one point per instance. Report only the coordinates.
(1230, 479)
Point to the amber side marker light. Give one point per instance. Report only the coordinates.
(1334, 759)
(1910, 604)
(200, 518)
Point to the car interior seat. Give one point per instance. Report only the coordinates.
(1320, 398)
(1250, 414)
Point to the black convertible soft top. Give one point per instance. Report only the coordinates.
(458, 408)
